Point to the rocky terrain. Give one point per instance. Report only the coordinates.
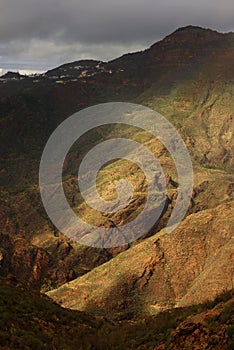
(191, 265)
(188, 78)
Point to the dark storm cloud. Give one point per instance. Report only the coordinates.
(56, 30)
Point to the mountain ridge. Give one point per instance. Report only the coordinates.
(184, 30)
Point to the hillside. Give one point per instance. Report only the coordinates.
(31, 321)
(191, 265)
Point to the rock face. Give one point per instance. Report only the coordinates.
(26, 263)
(212, 329)
(39, 268)
(191, 265)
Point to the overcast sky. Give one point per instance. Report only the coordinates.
(36, 35)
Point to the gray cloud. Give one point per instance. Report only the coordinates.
(47, 32)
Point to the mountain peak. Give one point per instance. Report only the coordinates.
(192, 34)
(191, 28)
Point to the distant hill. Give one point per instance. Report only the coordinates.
(12, 76)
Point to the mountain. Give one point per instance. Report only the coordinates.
(188, 78)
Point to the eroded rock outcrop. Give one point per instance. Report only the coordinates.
(191, 265)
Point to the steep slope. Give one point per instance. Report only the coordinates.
(38, 267)
(191, 265)
(202, 109)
